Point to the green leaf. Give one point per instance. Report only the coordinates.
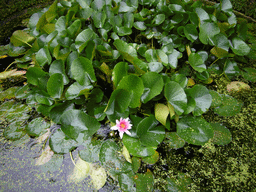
(136, 148)
(84, 3)
(140, 25)
(37, 127)
(14, 131)
(128, 20)
(58, 66)
(176, 8)
(122, 31)
(173, 58)
(230, 68)
(43, 56)
(74, 28)
(82, 70)
(144, 181)
(202, 15)
(229, 106)
(176, 96)
(216, 98)
(119, 101)
(82, 39)
(202, 98)
(191, 32)
(120, 70)
(91, 151)
(194, 130)
(43, 98)
(153, 86)
(221, 41)
(134, 85)
(222, 135)
(207, 32)
(21, 38)
(126, 181)
(111, 159)
(125, 8)
(196, 61)
(179, 183)
(239, 47)
(130, 54)
(34, 20)
(55, 85)
(181, 79)
(99, 18)
(33, 74)
(250, 74)
(73, 122)
(52, 12)
(76, 90)
(151, 159)
(148, 133)
(174, 140)
(59, 109)
(59, 143)
(226, 6)
(60, 25)
(158, 19)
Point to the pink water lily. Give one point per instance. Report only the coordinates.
(122, 126)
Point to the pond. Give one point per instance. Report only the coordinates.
(130, 96)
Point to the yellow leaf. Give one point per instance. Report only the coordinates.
(171, 110)
(161, 113)
(45, 156)
(126, 154)
(98, 176)
(191, 82)
(80, 171)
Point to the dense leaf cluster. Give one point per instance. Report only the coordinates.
(96, 61)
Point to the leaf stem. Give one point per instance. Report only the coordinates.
(74, 161)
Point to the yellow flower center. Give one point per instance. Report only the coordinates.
(122, 125)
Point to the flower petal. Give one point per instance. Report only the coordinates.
(114, 128)
(121, 134)
(128, 132)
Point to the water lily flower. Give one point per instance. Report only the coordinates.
(122, 126)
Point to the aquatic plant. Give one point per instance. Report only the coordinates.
(97, 62)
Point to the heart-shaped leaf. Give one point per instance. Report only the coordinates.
(239, 47)
(73, 122)
(153, 86)
(59, 143)
(82, 39)
(176, 96)
(194, 130)
(207, 32)
(37, 127)
(196, 61)
(120, 70)
(136, 148)
(222, 135)
(229, 106)
(202, 98)
(134, 85)
(83, 71)
(21, 38)
(148, 133)
(55, 85)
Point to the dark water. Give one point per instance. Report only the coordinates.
(18, 171)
